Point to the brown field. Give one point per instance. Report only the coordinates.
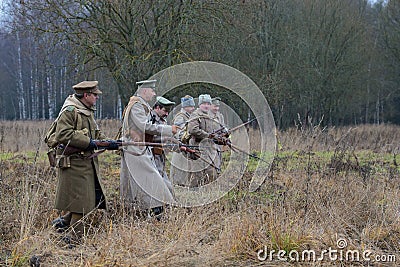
(325, 185)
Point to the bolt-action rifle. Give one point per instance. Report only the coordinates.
(226, 132)
(103, 145)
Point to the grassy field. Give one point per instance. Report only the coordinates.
(334, 192)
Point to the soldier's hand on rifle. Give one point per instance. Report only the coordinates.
(92, 145)
(113, 145)
(221, 140)
(189, 153)
(225, 133)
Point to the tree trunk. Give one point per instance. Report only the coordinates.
(20, 84)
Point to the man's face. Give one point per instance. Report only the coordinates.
(214, 109)
(205, 106)
(189, 109)
(148, 94)
(161, 112)
(90, 99)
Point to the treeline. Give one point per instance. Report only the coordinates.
(333, 62)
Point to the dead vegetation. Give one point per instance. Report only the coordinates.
(325, 185)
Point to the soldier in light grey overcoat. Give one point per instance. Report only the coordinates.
(180, 165)
(140, 182)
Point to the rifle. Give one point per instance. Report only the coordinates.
(103, 145)
(236, 148)
(191, 151)
(222, 131)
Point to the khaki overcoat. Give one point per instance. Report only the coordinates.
(160, 158)
(78, 177)
(203, 170)
(219, 122)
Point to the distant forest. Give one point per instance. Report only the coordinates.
(334, 62)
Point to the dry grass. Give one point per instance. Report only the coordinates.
(324, 184)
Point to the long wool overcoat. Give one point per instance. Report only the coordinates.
(203, 171)
(78, 176)
(180, 165)
(140, 182)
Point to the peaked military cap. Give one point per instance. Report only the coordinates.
(147, 84)
(163, 101)
(87, 87)
(216, 101)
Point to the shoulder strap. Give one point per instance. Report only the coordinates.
(132, 101)
(179, 113)
(78, 120)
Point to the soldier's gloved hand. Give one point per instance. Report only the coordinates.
(225, 133)
(112, 145)
(189, 153)
(222, 141)
(92, 146)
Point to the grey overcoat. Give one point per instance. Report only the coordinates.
(140, 182)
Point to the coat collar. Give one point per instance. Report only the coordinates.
(81, 108)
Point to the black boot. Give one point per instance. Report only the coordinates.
(156, 212)
(60, 224)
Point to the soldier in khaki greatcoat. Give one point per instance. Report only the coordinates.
(140, 182)
(219, 120)
(200, 128)
(214, 112)
(79, 189)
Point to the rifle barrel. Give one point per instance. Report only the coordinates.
(241, 125)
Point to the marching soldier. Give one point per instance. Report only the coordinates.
(214, 112)
(219, 120)
(140, 182)
(79, 189)
(160, 111)
(187, 108)
(180, 165)
(200, 127)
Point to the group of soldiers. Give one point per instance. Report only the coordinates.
(195, 135)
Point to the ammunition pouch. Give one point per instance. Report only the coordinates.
(63, 162)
